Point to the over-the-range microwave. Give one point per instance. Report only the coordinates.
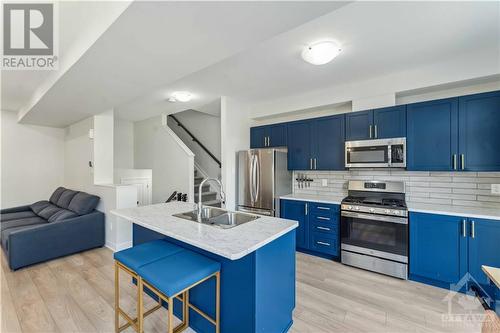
(380, 153)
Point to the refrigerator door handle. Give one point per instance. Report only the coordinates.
(252, 179)
(257, 177)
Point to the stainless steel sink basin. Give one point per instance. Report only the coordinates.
(218, 217)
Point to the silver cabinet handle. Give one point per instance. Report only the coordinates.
(323, 228)
(310, 163)
(464, 228)
(371, 127)
(454, 161)
(265, 141)
(323, 208)
(315, 164)
(306, 209)
(323, 218)
(462, 157)
(376, 132)
(472, 230)
(323, 243)
(269, 141)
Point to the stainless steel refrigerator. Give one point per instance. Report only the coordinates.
(263, 177)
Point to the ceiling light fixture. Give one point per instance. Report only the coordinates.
(321, 53)
(180, 96)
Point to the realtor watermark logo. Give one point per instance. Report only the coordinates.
(29, 36)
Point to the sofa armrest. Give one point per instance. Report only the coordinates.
(51, 240)
(15, 209)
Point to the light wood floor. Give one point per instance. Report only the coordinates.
(76, 294)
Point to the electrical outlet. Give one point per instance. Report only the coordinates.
(495, 189)
(324, 182)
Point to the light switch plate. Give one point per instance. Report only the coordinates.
(495, 189)
(324, 182)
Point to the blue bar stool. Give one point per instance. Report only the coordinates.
(129, 261)
(175, 275)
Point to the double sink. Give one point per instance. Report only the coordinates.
(218, 217)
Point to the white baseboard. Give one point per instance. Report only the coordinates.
(118, 247)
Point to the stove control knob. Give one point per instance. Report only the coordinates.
(357, 207)
(372, 210)
(387, 211)
(349, 207)
(395, 212)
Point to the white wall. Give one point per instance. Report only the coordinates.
(123, 144)
(206, 128)
(103, 147)
(235, 136)
(32, 161)
(156, 147)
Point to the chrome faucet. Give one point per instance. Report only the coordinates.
(200, 203)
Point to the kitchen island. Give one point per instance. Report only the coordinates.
(257, 259)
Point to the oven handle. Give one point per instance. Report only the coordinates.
(390, 219)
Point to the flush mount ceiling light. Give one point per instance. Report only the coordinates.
(321, 53)
(180, 96)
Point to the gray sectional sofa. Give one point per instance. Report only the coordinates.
(66, 224)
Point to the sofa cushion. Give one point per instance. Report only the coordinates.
(48, 211)
(62, 214)
(39, 205)
(4, 235)
(56, 195)
(65, 198)
(17, 215)
(83, 203)
(21, 222)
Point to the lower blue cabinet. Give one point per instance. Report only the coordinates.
(443, 249)
(318, 230)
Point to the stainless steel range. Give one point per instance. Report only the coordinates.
(374, 227)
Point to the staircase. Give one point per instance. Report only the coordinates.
(209, 198)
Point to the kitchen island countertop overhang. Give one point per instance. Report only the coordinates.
(233, 243)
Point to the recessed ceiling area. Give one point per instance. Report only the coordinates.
(221, 49)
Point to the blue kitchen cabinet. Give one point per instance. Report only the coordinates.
(328, 143)
(268, 136)
(479, 132)
(484, 249)
(319, 225)
(299, 145)
(432, 135)
(258, 137)
(438, 249)
(359, 125)
(297, 211)
(389, 122)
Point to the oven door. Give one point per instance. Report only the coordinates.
(364, 154)
(381, 236)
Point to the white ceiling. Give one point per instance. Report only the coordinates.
(242, 50)
(153, 44)
(75, 18)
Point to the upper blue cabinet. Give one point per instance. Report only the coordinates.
(316, 144)
(381, 123)
(455, 134)
(479, 132)
(268, 136)
(432, 135)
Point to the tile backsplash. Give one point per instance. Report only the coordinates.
(445, 188)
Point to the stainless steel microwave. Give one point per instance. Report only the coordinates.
(381, 153)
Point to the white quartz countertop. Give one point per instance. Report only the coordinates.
(473, 212)
(327, 199)
(233, 243)
(493, 274)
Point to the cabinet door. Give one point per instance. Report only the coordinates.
(257, 137)
(389, 122)
(432, 138)
(299, 145)
(328, 143)
(277, 135)
(484, 249)
(479, 132)
(297, 211)
(438, 248)
(357, 125)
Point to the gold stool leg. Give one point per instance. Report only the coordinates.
(140, 306)
(217, 302)
(117, 297)
(170, 319)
